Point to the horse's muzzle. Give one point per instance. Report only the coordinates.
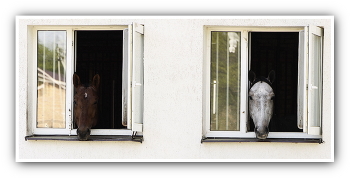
(261, 133)
(83, 135)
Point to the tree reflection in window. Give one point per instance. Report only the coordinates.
(51, 79)
(225, 80)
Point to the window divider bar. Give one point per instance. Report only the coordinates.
(244, 85)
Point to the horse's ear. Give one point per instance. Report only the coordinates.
(96, 81)
(272, 76)
(251, 76)
(76, 80)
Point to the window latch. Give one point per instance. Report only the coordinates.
(314, 87)
(136, 84)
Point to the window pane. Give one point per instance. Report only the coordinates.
(51, 57)
(225, 81)
(316, 81)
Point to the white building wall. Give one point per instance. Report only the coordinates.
(173, 73)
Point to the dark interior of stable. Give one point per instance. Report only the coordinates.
(278, 51)
(101, 52)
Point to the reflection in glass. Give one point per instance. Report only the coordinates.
(51, 58)
(225, 81)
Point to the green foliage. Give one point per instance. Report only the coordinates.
(46, 57)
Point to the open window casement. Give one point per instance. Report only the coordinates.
(310, 87)
(315, 80)
(133, 77)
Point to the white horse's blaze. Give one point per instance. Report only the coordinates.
(261, 105)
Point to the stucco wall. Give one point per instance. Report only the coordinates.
(173, 73)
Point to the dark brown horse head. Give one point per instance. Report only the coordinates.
(85, 106)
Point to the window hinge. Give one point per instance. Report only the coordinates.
(133, 134)
(138, 28)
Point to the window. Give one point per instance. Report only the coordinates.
(114, 52)
(225, 77)
(295, 53)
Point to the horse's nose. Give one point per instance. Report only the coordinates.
(261, 132)
(84, 134)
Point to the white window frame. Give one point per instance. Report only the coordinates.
(132, 80)
(304, 60)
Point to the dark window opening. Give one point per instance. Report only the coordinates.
(278, 51)
(101, 52)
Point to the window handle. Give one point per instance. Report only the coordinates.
(314, 87)
(214, 96)
(136, 84)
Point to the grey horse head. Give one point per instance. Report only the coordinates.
(261, 97)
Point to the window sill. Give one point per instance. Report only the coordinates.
(285, 140)
(91, 138)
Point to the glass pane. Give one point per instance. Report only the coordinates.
(225, 81)
(51, 56)
(316, 81)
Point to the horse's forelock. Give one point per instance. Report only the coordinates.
(86, 85)
(261, 79)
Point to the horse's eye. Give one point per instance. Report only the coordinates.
(74, 102)
(273, 97)
(95, 102)
(250, 98)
